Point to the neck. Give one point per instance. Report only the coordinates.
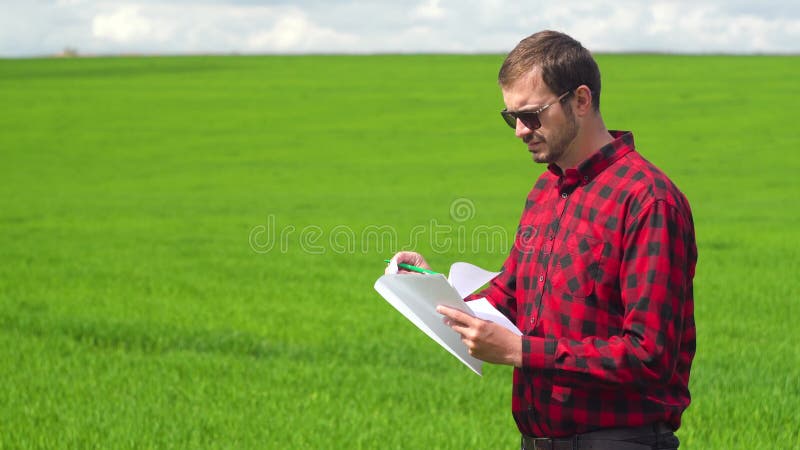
(592, 136)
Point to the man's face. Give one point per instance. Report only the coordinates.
(553, 141)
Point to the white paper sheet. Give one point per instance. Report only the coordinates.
(412, 295)
(482, 309)
(466, 277)
(416, 296)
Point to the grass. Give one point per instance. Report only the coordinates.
(141, 305)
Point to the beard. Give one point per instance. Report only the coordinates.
(553, 148)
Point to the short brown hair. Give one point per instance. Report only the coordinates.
(564, 62)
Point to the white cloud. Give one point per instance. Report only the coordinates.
(293, 32)
(126, 24)
(429, 9)
(174, 28)
(69, 2)
(355, 26)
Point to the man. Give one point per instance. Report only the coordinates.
(599, 279)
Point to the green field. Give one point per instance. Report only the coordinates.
(189, 245)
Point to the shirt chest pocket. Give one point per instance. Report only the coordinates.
(576, 266)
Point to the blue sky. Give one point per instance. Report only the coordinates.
(44, 27)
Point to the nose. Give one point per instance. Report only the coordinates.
(521, 130)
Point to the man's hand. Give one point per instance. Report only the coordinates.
(413, 258)
(485, 340)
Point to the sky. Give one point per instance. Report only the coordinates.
(47, 27)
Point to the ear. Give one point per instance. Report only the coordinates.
(583, 100)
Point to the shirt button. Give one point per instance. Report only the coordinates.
(541, 278)
(564, 195)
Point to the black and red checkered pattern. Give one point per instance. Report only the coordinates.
(600, 282)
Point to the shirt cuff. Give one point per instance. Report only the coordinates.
(538, 353)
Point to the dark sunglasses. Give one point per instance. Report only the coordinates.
(529, 118)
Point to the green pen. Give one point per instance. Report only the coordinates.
(413, 268)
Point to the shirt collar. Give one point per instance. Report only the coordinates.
(587, 170)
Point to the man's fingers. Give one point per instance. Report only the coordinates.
(456, 315)
(412, 258)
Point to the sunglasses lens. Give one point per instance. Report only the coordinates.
(530, 120)
(510, 118)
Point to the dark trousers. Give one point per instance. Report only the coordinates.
(656, 436)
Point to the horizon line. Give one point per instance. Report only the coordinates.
(67, 54)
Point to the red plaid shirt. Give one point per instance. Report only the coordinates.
(600, 282)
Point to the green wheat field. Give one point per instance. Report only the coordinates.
(189, 245)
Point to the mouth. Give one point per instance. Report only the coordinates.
(532, 145)
(532, 142)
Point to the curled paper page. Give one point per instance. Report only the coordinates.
(416, 296)
(466, 277)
